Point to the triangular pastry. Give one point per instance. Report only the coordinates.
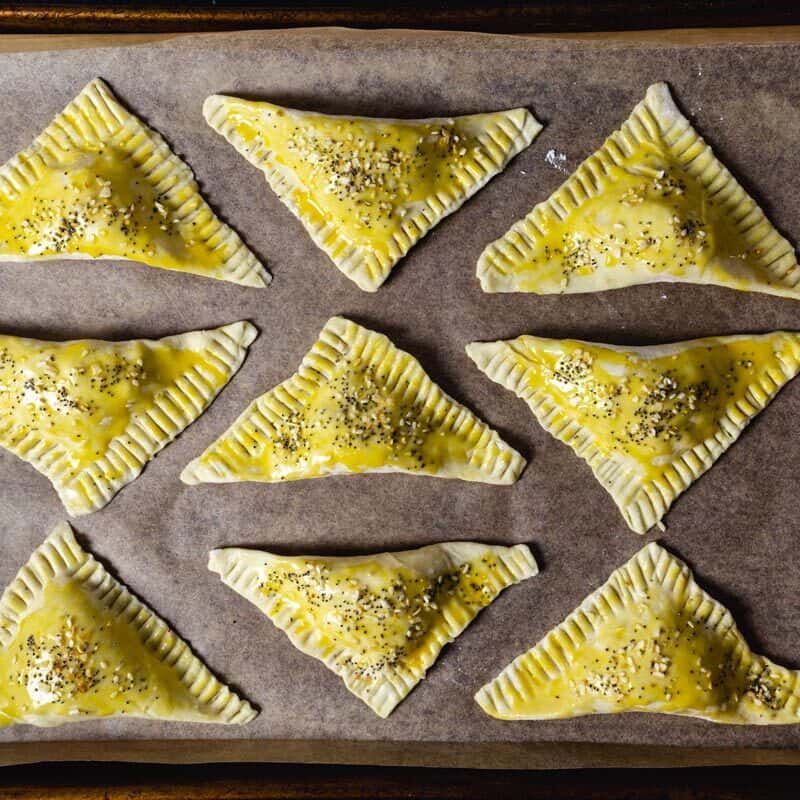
(648, 420)
(357, 404)
(98, 183)
(76, 645)
(377, 621)
(89, 414)
(650, 639)
(368, 189)
(652, 204)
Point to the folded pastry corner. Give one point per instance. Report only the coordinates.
(648, 420)
(357, 404)
(89, 414)
(377, 621)
(650, 639)
(75, 644)
(652, 204)
(368, 189)
(98, 183)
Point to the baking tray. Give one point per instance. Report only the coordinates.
(735, 526)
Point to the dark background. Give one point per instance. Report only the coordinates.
(236, 782)
(280, 782)
(542, 16)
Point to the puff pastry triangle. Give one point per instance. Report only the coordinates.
(89, 414)
(378, 621)
(368, 189)
(75, 645)
(357, 404)
(652, 204)
(648, 420)
(650, 639)
(98, 183)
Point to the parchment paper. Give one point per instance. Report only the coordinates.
(736, 527)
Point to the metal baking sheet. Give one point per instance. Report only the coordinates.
(736, 527)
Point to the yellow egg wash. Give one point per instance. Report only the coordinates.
(655, 657)
(364, 175)
(98, 183)
(378, 621)
(650, 216)
(379, 617)
(72, 658)
(75, 645)
(653, 204)
(648, 420)
(350, 423)
(651, 640)
(80, 395)
(368, 189)
(97, 203)
(642, 407)
(356, 404)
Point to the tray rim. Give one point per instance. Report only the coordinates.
(461, 755)
(676, 37)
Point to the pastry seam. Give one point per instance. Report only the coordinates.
(383, 694)
(643, 503)
(656, 118)
(60, 556)
(173, 410)
(95, 116)
(497, 461)
(550, 658)
(367, 268)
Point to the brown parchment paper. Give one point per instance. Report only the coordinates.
(737, 526)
